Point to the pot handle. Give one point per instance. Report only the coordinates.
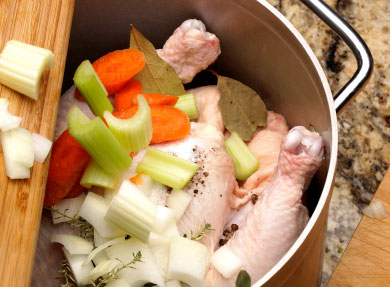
(355, 43)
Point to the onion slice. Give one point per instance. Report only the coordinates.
(7, 120)
(376, 210)
(73, 244)
(102, 247)
(41, 146)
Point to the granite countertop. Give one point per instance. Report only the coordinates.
(364, 126)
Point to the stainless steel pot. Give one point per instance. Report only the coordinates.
(260, 48)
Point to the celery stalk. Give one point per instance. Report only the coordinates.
(187, 104)
(94, 175)
(98, 141)
(167, 169)
(132, 211)
(92, 89)
(135, 133)
(245, 162)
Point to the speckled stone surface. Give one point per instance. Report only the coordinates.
(364, 126)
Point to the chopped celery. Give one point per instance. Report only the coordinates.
(22, 65)
(92, 89)
(135, 133)
(94, 175)
(167, 169)
(245, 162)
(99, 142)
(132, 211)
(187, 104)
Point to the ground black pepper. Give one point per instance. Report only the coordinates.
(254, 198)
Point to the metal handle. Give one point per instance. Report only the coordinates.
(355, 43)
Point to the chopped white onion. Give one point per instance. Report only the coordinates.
(178, 200)
(98, 239)
(80, 272)
(103, 268)
(159, 245)
(376, 210)
(69, 207)
(42, 147)
(102, 247)
(73, 244)
(226, 262)
(7, 120)
(172, 283)
(146, 185)
(145, 271)
(187, 261)
(18, 152)
(100, 257)
(164, 217)
(93, 209)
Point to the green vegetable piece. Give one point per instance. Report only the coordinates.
(92, 89)
(187, 104)
(94, 175)
(135, 133)
(241, 107)
(243, 279)
(245, 162)
(167, 169)
(157, 76)
(98, 141)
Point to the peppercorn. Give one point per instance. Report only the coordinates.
(229, 229)
(226, 233)
(234, 227)
(221, 242)
(254, 198)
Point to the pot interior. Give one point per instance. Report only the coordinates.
(257, 49)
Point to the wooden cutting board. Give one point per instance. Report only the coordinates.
(44, 23)
(366, 260)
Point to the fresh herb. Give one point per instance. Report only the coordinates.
(201, 233)
(243, 279)
(85, 229)
(241, 107)
(157, 76)
(67, 276)
(340, 250)
(102, 281)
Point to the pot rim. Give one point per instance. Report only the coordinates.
(326, 192)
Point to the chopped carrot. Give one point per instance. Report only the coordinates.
(67, 163)
(76, 189)
(127, 97)
(115, 69)
(123, 97)
(168, 122)
(137, 180)
(78, 95)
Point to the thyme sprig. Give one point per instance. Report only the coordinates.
(201, 233)
(67, 275)
(84, 227)
(102, 281)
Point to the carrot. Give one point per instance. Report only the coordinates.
(78, 95)
(168, 122)
(137, 179)
(123, 97)
(76, 189)
(115, 69)
(67, 163)
(127, 97)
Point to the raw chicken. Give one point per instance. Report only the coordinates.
(279, 217)
(190, 49)
(207, 99)
(211, 187)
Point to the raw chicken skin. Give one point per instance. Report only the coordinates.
(211, 187)
(190, 49)
(207, 99)
(279, 217)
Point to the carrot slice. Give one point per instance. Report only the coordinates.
(67, 163)
(115, 69)
(168, 122)
(78, 95)
(76, 189)
(123, 97)
(127, 97)
(137, 180)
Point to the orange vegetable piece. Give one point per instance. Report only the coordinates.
(168, 122)
(137, 180)
(68, 161)
(76, 189)
(115, 69)
(127, 97)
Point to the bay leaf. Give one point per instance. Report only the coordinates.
(242, 108)
(243, 279)
(157, 76)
